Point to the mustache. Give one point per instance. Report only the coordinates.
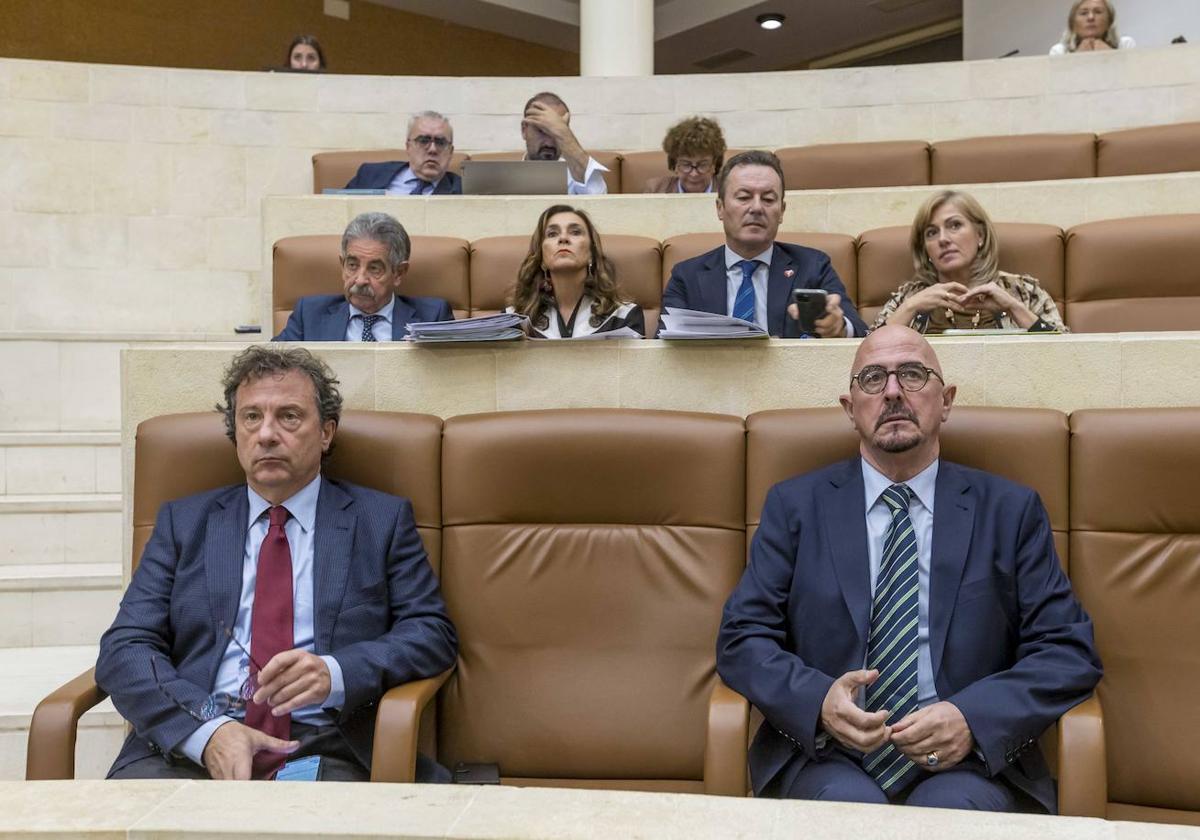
(899, 412)
(362, 290)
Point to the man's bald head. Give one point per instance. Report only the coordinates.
(896, 337)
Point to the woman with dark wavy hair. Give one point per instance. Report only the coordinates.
(566, 286)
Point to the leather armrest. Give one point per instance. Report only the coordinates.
(51, 752)
(1082, 767)
(725, 771)
(397, 728)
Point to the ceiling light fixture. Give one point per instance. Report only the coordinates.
(770, 21)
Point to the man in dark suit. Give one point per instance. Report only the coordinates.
(903, 624)
(430, 145)
(375, 251)
(265, 620)
(752, 276)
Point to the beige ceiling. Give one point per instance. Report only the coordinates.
(693, 34)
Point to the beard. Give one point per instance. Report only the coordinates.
(899, 439)
(546, 152)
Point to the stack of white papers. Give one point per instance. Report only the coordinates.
(502, 327)
(688, 323)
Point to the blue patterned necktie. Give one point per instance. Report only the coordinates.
(419, 187)
(892, 648)
(743, 304)
(369, 322)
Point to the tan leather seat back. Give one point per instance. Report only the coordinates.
(639, 167)
(839, 247)
(496, 260)
(308, 265)
(1135, 562)
(1026, 445)
(1131, 275)
(1022, 157)
(1146, 151)
(885, 262)
(333, 170)
(612, 160)
(587, 555)
(177, 455)
(835, 166)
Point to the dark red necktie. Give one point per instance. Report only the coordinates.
(271, 631)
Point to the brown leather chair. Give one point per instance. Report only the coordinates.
(839, 247)
(836, 166)
(308, 265)
(586, 557)
(180, 454)
(885, 261)
(1146, 151)
(639, 167)
(1021, 157)
(1133, 275)
(495, 261)
(1027, 445)
(1135, 562)
(333, 170)
(610, 159)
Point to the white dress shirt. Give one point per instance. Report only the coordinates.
(593, 182)
(382, 329)
(234, 668)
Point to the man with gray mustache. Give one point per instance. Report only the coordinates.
(904, 624)
(374, 256)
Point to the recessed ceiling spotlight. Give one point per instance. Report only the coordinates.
(771, 21)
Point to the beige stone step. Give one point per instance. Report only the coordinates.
(71, 528)
(30, 673)
(57, 603)
(41, 463)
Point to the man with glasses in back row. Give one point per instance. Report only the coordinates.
(430, 145)
(903, 623)
(265, 620)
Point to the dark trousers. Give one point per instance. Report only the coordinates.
(338, 761)
(841, 778)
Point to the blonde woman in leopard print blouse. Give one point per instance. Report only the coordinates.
(958, 283)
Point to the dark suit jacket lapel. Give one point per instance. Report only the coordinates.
(332, 547)
(403, 313)
(713, 283)
(779, 286)
(953, 520)
(333, 326)
(844, 512)
(224, 552)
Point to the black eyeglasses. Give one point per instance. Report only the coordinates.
(911, 376)
(439, 143)
(219, 702)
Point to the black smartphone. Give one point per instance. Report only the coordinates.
(811, 303)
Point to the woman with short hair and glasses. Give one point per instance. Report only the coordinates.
(958, 283)
(695, 150)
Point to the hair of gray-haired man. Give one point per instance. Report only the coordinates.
(384, 229)
(430, 115)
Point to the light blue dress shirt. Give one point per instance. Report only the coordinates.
(382, 329)
(762, 273)
(235, 667)
(406, 180)
(879, 518)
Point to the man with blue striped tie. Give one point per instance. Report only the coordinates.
(904, 624)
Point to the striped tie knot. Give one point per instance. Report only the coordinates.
(897, 497)
(744, 301)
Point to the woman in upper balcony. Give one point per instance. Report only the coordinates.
(565, 285)
(695, 150)
(958, 283)
(1091, 27)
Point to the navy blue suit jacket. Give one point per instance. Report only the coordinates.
(701, 283)
(376, 608)
(326, 317)
(1011, 647)
(377, 176)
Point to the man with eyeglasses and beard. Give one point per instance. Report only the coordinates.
(430, 145)
(266, 619)
(374, 256)
(903, 623)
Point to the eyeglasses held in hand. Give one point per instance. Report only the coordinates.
(911, 376)
(439, 143)
(219, 702)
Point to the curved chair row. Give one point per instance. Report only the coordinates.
(897, 163)
(1124, 275)
(587, 596)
